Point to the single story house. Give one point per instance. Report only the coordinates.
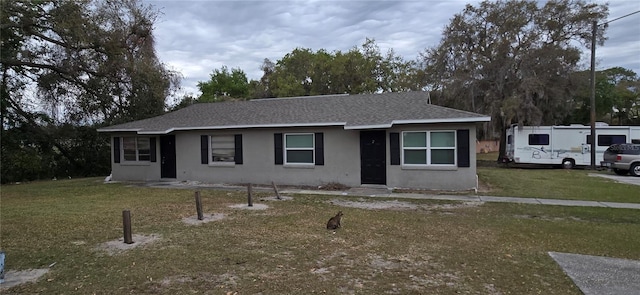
(397, 140)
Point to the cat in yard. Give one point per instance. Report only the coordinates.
(334, 222)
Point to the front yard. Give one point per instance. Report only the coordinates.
(404, 247)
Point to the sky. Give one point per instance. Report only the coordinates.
(196, 37)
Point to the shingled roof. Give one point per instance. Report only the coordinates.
(360, 111)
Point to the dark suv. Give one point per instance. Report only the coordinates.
(623, 158)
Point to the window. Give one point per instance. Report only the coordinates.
(136, 148)
(428, 148)
(299, 148)
(538, 139)
(223, 148)
(607, 140)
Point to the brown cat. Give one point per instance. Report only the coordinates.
(334, 222)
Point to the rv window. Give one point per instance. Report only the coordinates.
(607, 140)
(509, 139)
(538, 139)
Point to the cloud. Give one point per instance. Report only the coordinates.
(196, 37)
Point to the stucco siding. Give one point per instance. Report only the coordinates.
(341, 161)
(340, 149)
(438, 178)
(134, 171)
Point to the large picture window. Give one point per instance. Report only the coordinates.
(136, 149)
(299, 148)
(223, 149)
(429, 148)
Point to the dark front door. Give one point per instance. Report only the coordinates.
(168, 156)
(373, 157)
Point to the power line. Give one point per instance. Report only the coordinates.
(615, 19)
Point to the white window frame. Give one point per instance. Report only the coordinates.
(428, 148)
(137, 149)
(211, 147)
(312, 149)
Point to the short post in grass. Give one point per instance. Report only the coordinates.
(199, 206)
(275, 188)
(126, 224)
(249, 195)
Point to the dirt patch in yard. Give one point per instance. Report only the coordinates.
(17, 277)
(193, 220)
(118, 246)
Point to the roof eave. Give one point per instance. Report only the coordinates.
(425, 121)
(141, 131)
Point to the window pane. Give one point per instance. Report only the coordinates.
(415, 156)
(607, 140)
(538, 139)
(129, 148)
(443, 139)
(442, 157)
(144, 149)
(414, 139)
(295, 156)
(223, 148)
(299, 140)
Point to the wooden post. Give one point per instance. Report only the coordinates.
(275, 188)
(249, 195)
(126, 224)
(199, 206)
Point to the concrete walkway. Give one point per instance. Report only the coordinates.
(381, 192)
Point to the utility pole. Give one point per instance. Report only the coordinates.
(594, 33)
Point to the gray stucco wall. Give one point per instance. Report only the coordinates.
(437, 178)
(341, 154)
(341, 159)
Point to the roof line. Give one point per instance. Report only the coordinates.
(346, 127)
(223, 127)
(428, 121)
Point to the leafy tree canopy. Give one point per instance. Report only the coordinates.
(74, 63)
(512, 60)
(224, 85)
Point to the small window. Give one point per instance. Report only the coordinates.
(510, 139)
(222, 148)
(299, 148)
(538, 139)
(136, 149)
(428, 148)
(607, 140)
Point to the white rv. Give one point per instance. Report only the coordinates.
(567, 146)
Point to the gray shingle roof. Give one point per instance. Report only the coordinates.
(361, 111)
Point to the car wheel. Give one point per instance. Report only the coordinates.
(635, 169)
(568, 164)
(620, 171)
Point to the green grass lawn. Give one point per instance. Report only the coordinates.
(575, 184)
(490, 248)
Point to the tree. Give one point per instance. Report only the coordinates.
(224, 85)
(82, 63)
(263, 88)
(512, 60)
(360, 70)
